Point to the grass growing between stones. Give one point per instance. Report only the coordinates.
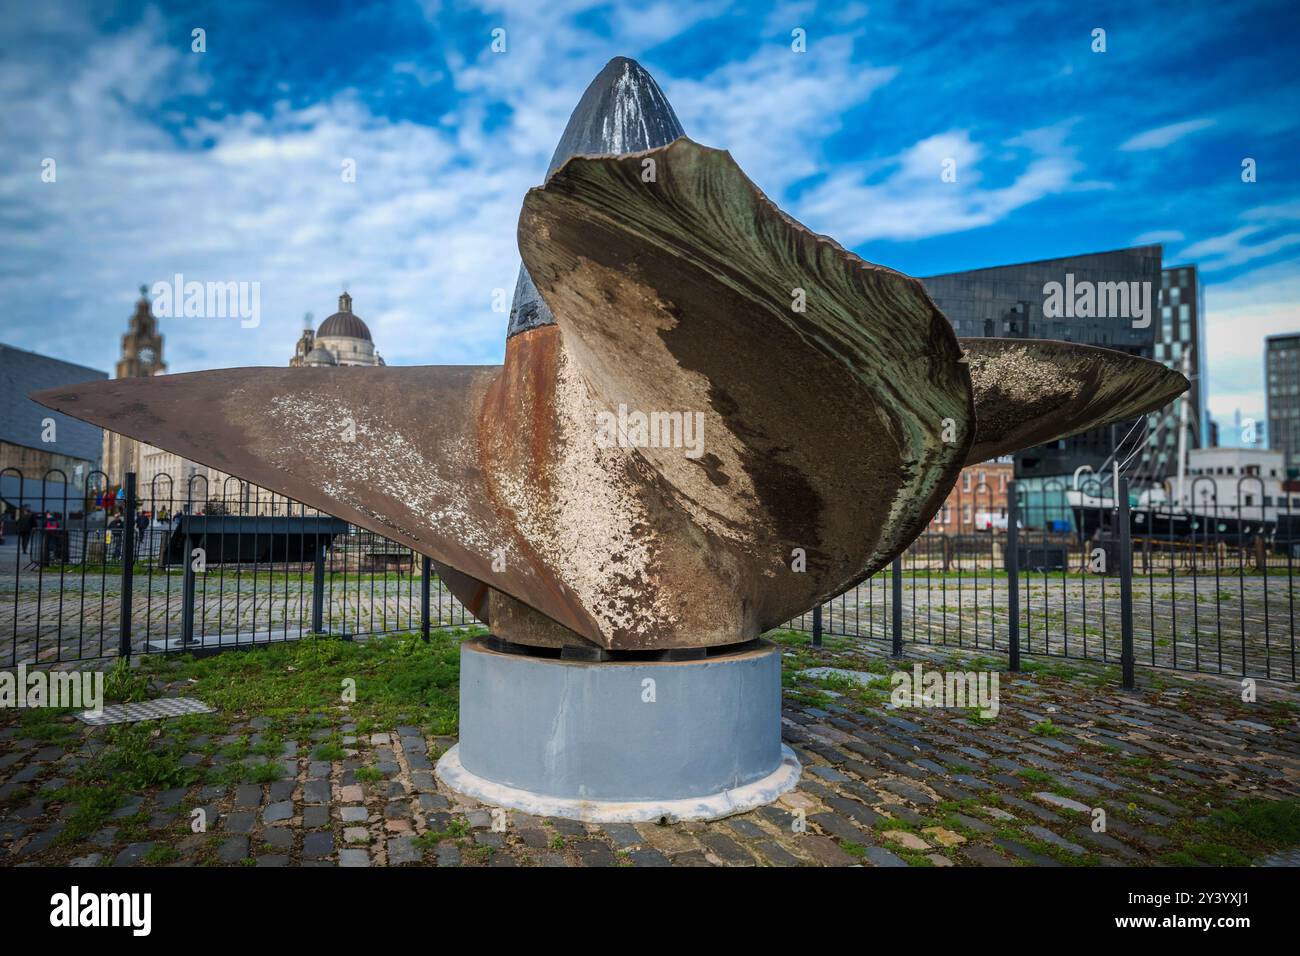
(1154, 797)
(299, 686)
(295, 688)
(1235, 834)
(456, 831)
(285, 704)
(47, 725)
(135, 758)
(396, 680)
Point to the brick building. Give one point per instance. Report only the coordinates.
(978, 501)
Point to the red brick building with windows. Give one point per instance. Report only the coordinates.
(978, 502)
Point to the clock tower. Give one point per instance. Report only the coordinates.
(142, 344)
(142, 350)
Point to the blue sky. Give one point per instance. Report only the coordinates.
(225, 165)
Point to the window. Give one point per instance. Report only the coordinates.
(965, 514)
(965, 481)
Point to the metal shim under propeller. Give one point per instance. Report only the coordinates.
(823, 429)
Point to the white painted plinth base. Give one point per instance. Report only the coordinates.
(707, 807)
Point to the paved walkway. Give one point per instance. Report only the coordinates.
(881, 787)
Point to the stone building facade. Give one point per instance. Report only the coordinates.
(141, 357)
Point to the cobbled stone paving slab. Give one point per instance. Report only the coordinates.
(882, 785)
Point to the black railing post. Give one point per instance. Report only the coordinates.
(425, 564)
(896, 612)
(187, 594)
(1012, 563)
(128, 567)
(1126, 655)
(817, 625)
(318, 589)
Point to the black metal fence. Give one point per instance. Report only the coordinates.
(90, 572)
(1209, 588)
(99, 572)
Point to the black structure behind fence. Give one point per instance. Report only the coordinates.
(165, 570)
(1213, 591)
(162, 570)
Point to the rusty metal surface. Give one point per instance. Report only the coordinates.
(393, 450)
(821, 427)
(835, 404)
(1032, 391)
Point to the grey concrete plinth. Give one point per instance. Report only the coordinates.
(621, 741)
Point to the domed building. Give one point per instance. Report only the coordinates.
(319, 356)
(342, 339)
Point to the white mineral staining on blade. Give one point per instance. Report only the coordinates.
(590, 528)
(626, 116)
(381, 458)
(632, 366)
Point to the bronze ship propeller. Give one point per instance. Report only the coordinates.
(837, 407)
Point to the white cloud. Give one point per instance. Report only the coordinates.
(913, 201)
(1274, 212)
(422, 238)
(1230, 248)
(773, 110)
(427, 232)
(1157, 236)
(1163, 136)
(1239, 314)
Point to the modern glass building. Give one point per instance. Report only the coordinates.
(1179, 345)
(1111, 299)
(1282, 383)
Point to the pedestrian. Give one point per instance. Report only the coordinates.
(115, 526)
(26, 521)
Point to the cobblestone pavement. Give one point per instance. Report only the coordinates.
(881, 786)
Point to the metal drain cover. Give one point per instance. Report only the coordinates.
(145, 710)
